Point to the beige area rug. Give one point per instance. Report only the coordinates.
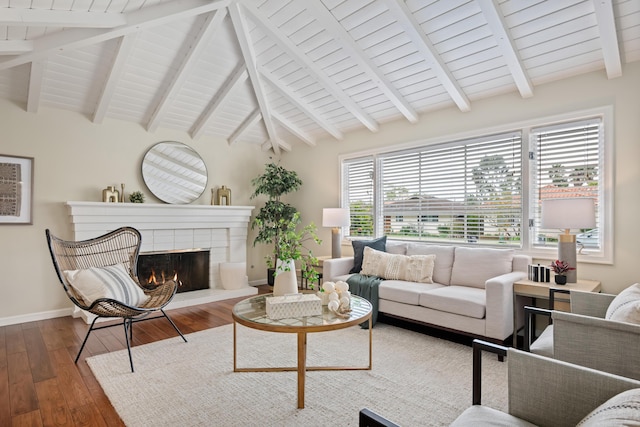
(416, 380)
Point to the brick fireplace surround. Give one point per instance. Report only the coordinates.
(220, 229)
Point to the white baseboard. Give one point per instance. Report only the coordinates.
(197, 297)
(33, 317)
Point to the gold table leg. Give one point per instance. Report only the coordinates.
(302, 366)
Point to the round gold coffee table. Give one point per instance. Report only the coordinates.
(251, 313)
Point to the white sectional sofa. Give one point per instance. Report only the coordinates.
(471, 293)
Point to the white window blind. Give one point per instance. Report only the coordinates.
(567, 164)
(463, 191)
(358, 184)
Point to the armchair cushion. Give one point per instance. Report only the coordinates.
(480, 416)
(625, 307)
(414, 268)
(621, 409)
(112, 282)
(358, 251)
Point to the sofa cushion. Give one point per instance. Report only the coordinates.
(394, 247)
(621, 410)
(625, 307)
(444, 259)
(404, 292)
(463, 300)
(358, 250)
(474, 266)
(415, 268)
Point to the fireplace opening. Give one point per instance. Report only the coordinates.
(189, 268)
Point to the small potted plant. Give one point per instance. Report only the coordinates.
(291, 246)
(560, 268)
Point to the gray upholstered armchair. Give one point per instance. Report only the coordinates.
(585, 337)
(549, 392)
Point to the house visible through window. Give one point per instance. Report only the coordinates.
(484, 190)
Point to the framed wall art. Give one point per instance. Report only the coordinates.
(16, 190)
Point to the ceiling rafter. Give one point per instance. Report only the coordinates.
(237, 76)
(329, 22)
(609, 37)
(123, 50)
(498, 26)
(247, 123)
(35, 85)
(293, 129)
(406, 19)
(76, 38)
(290, 48)
(60, 18)
(300, 103)
(212, 22)
(242, 34)
(15, 47)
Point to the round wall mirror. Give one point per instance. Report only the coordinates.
(174, 172)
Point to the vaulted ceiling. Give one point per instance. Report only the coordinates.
(285, 72)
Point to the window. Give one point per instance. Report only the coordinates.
(567, 164)
(486, 189)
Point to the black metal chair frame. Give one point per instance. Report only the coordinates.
(121, 246)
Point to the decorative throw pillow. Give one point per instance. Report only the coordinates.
(625, 307)
(106, 282)
(621, 410)
(413, 268)
(358, 250)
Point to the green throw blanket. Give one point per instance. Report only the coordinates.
(367, 288)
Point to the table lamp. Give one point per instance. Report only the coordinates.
(566, 214)
(335, 218)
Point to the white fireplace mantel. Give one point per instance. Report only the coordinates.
(220, 229)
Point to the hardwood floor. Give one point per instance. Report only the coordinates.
(41, 386)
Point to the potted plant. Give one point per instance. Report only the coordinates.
(291, 245)
(275, 215)
(560, 268)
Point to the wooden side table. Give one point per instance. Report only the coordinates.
(540, 290)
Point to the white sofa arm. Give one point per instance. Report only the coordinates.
(334, 267)
(499, 316)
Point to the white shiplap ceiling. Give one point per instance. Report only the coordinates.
(285, 72)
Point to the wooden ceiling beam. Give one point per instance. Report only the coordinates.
(300, 103)
(16, 17)
(123, 50)
(237, 77)
(609, 37)
(406, 19)
(35, 85)
(292, 50)
(498, 26)
(242, 34)
(212, 22)
(329, 23)
(76, 38)
(293, 129)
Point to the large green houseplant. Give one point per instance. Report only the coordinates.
(275, 215)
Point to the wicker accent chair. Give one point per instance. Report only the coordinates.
(584, 337)
(121, 246)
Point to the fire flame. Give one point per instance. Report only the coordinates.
(153, 279)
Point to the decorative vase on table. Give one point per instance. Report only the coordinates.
(286, 281)
(561, 279)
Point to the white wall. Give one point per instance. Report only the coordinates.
(75, 159)
(319, 167)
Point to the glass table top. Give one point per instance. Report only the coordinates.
(253, 310)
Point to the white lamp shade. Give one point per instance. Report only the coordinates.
(335, 217)
(568, 213)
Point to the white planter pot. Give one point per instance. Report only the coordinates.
(285, 283)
